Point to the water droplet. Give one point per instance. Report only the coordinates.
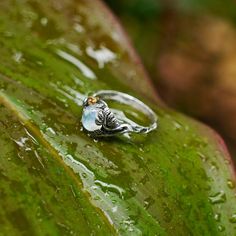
(221, 228)
(84, 175)
(17, 57)
(232, 219)
(177, 125)
(148, 202)
(87, 72)
(49, 129)
(102, 55)
(21, 142)
(217, 217)
(97, 198)
(114, 201)
(230, 184)
(78, 28)
(128, 225)
(87, 145)
(111, 188)
(214, 166)
(141, 150)
(74, 48)
(219, 197)
(114, 209)
(39, 63)
(44, 21)
(202, 156)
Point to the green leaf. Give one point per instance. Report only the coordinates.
(55, 180)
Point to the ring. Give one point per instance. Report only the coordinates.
(99, 121)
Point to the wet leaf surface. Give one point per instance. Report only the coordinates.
(55, 180)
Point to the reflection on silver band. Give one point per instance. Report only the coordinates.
(99, 120)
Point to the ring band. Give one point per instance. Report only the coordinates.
(99, 120)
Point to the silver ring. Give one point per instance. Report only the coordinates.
(99, 121)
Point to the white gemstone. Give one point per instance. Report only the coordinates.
(89, 117)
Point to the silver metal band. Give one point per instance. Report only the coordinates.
(99, 120)
(133, 102)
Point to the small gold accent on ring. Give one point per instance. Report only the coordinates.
(92, 100)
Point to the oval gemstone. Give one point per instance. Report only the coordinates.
(89, 117)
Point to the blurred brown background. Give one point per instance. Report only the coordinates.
(189, 50)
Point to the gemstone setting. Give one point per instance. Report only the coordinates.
(89, 117)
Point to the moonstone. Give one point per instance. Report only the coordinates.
(89, 117)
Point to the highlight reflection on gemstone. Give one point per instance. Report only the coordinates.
(89, 117)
